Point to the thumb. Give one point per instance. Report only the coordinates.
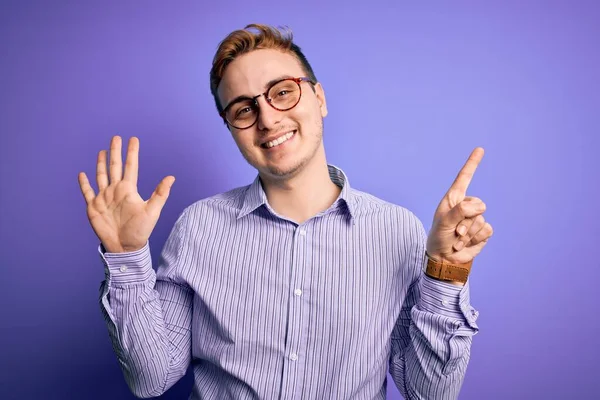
(160, 195)
(468, 208)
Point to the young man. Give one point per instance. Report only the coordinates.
(296, 286)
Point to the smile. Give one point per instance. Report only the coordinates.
(280, 140)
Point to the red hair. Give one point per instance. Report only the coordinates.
(243, 41)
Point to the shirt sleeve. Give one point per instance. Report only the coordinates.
(148, 319)
(432, 337)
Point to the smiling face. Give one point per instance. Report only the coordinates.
(281, 143)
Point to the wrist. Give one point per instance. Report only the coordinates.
(118, 249)
(452, 273)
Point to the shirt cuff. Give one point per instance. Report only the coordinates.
(129, 267)
(446, 299)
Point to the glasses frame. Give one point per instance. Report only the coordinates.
(254, 99)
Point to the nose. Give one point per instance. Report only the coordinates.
(268, 117)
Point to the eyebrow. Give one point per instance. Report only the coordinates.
(265, 87)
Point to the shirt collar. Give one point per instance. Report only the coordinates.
(255, 195)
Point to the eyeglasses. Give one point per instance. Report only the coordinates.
(282, 95)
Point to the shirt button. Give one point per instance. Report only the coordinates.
(302, 232)
(123, 268)
(445, 302)
(293, 356)
(298, 292)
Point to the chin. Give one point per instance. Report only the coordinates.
(284, 171)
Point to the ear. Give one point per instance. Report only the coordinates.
(320, 93)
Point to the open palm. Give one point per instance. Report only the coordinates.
(121, 219)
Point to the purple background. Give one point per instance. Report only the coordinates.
(411, 90)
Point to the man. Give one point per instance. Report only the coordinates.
(296, 286)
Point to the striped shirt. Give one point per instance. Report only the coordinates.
(265, 308)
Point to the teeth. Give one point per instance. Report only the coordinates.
(282, 139)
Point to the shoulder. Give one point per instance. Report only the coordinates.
(370, 206)
(393, 221)
(223, 204)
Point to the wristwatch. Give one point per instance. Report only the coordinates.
(448, 272)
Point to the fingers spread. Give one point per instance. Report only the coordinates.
(132, 161)
(116, 162)
(86, 189)
(160, 195)
(101, 177)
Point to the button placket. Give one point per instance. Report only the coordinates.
(293, 367)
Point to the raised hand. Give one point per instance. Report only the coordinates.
(459, 231)
(121, 219)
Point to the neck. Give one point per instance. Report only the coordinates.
(304, 195)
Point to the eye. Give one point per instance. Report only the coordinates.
(243, 110)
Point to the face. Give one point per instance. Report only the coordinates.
(249, 75)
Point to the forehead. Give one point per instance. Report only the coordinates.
(248, 74)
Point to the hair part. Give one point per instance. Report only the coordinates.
(244, 41)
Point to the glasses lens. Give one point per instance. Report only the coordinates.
(284, 95)
(241, 114)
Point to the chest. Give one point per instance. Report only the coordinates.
(256, 284)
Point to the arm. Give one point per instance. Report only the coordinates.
(432, 337)
(148, 318)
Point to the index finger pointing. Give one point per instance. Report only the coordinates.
(464, 177)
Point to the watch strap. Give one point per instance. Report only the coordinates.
(447, 271)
